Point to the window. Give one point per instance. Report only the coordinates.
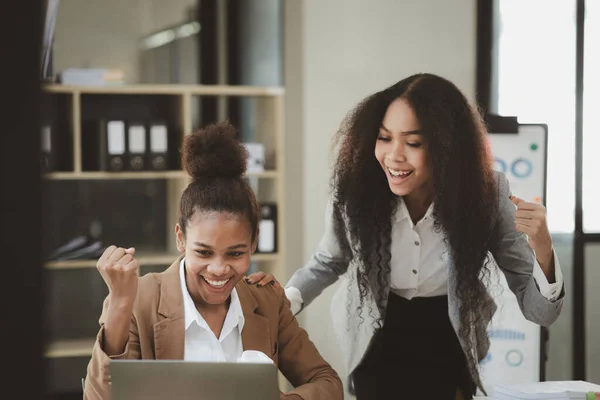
(536, 83)
(591, 119)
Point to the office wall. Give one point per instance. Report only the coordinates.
(346, 50)
(104, 34)
(293, 76)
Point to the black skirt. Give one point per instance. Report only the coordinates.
(415, 355)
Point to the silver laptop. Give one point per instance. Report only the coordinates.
(175, 380)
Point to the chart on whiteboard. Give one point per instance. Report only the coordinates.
(522, 157)
(514, 355)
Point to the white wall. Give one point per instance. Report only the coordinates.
(293, 75)
(349, 49)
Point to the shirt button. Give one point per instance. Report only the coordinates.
(414, 271)
(416, 243)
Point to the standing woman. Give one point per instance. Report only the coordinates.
(416, 219)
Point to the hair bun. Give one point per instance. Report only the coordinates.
(214, 151)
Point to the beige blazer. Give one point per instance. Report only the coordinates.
(157, 332)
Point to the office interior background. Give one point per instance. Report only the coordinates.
(537, 60)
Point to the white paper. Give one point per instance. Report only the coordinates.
(546, 390)
(254, 356)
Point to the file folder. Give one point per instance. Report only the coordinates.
(104, 145)
(158, 139)
(136, 146)
(47, 149)
(267, 239)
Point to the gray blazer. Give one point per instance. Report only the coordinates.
(354, 331)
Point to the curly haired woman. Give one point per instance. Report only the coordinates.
(416, 220)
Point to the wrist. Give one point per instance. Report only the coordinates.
(546, 262)
(545, 258)
(120, 304)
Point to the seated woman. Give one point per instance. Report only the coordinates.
(200, 308)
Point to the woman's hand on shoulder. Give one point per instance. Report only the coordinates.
(261, 278)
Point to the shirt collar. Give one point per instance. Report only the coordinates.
(192, 314)
(402, 211)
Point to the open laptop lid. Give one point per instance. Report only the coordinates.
(176, 379)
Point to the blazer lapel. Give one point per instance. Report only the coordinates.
(169, 331)
(256, 334)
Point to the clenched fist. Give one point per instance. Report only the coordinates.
(530, 218)
(119, 269)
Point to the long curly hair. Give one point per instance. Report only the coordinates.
(464, 191)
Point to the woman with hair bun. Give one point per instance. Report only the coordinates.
(205, 310)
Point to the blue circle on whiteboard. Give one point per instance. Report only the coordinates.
(521, 168)
(500, 165)
(514, 358)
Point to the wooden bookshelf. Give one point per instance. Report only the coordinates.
(75, 102)
(89, 175)
(70, 348)
(270, 130)
(146, 260)
(170, 89)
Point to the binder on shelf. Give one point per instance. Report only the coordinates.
(158, 141)
(47, 149)
(267, 239)
(136, 146)
(104, 146)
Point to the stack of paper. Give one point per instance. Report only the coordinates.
(559, 390)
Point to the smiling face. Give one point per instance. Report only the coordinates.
(217, 248)
(401, 152)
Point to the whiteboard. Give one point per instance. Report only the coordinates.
(515, 343)
(522, 157)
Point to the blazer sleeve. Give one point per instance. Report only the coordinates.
(302, 364)
(97, 380)
(516, 259)
(330, 260)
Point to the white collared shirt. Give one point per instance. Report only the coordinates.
(201, 344)
(419, 262)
